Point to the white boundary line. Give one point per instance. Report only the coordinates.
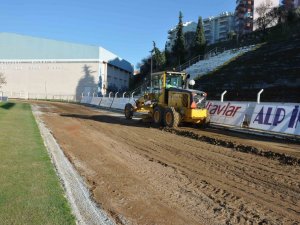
(77, 192)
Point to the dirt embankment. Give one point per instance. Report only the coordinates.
(144, 175)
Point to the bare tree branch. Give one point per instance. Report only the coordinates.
(267, 15)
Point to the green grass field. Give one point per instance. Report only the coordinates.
(30, 192)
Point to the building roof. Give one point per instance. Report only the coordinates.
(223, 14)
(184, 24)
(112, 59)
(22, 47)
(15, 46)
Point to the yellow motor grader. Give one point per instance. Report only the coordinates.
(168, 101)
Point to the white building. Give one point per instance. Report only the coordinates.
(37, 66)
(187, 27)
(217, 28)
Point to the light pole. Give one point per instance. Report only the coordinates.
(151, 69)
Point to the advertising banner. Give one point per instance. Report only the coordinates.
(132, 101)
(228, 113)
(106, 102)
(119, 103)
(3, 98)
(96, 100)
(85, 99)
(277, 118)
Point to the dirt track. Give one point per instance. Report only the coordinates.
(144, 175)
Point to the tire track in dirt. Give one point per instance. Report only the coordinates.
(168, 148)
(281, 157)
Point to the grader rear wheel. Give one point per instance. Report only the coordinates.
(171, 117)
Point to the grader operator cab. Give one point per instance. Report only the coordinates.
(168, 101)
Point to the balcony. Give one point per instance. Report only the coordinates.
(223, 33)
(248, 26)
(240, 15)
(248, 15)
(222, 24)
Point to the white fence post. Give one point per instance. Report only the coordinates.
(258, 95)
(116, 95)
(132, 94)
(124, 94)
(109, 94)
(222, 96)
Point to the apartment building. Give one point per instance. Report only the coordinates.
(217, 28)
(188, 27)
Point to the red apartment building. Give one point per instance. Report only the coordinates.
(289, 4)
(244, 16)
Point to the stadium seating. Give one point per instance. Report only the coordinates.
(205, 66)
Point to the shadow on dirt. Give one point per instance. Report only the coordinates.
(282, 158)
(110, 119)
(7, 105)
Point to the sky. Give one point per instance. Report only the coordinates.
(126, 28)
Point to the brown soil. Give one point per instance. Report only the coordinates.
(144, 175)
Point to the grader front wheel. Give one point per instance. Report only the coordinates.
(157, 115)
(128, 111)
(171, 117)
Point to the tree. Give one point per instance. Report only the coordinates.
(231, 35)
(2, 80)
(159, 57)
(266, 15)
(189, 40)
(200, 42)
(145, 66)
(178, 48)
(167, 56)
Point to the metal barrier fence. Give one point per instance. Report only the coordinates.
(40, 96)
(278, 118)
